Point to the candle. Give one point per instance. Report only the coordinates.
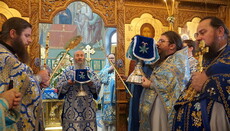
(167, 7)
(173, 2)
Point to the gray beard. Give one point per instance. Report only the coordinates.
(79, 66)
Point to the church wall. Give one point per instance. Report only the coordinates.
(124, 15)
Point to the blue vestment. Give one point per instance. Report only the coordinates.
(25, 82)
(108, 99)
(79, 112)
(195, 114)
(168, 80)
(136, 90)
(6, 121)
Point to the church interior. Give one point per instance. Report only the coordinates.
(105, 26)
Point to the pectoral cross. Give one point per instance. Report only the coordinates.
(191, 92)
(88, 51)
(201, 53)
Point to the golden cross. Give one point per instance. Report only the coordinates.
(202, 51)
(88, 51)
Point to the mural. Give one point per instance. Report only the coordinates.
(77, 19)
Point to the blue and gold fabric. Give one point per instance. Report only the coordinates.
(136, 90)
(7, 121)
(143, 48)
(82, 76)
(168, 81)
(79, 112)
(25, 82)
(108, 99)
(195, 114)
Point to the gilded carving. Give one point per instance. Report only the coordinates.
(222, 10)
(132, 12)
(116, 13)
(105, 8)
(35, 47)
(121, 117)
(21, 5)
(185, 16)
(121, 34)
(2, 20)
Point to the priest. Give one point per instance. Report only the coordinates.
(209, 108)
(79, 109)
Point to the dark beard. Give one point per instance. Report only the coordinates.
(212, 51)
(211, 54)
(20, 50)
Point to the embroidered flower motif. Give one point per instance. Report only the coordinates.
(197, 106)
(143, 48)
(181, 111)
(211, 91)
(82, 76)
(196, 117)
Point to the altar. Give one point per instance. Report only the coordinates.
(52, 109)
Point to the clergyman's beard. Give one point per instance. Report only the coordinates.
(20, 50)
(213, 51)
(79, 66)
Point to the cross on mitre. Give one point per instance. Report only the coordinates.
(88, 51)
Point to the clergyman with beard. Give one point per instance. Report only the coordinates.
(168, 79)
(15, 37)
(209, 109)
(79, 112)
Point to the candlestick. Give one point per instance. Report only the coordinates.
(167, 7)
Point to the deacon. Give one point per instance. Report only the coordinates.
(209, 109)
(108, 99)
(79, 112)
(168, 79)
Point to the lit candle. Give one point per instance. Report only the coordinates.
(167, 7)
(173, 6)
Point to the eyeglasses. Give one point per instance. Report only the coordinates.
(162, 41)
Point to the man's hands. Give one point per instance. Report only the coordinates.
(146, 82)
(70, 82)
(198, 80)
(13, 97)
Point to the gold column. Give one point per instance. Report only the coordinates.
(35, 46)
(122, 103)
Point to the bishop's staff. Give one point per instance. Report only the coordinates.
(73, 43)
(191, 92)
(119, 76)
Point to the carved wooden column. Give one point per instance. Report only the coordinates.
(122, 102)
(228, 16)
(34, 49)
(224, 14)
(176, 23)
